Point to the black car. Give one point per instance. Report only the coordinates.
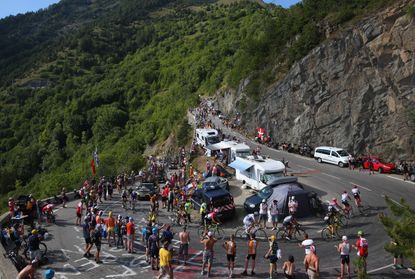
(215, 197)
(216, 180)
(251, 203)
(146, 189)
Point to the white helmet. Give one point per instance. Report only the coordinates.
(292, 198)
(264, 200)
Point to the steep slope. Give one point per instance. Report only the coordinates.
(119, 76)
(357, 91)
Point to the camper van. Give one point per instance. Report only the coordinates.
(240, 150)
(206, 137)
(257, 171)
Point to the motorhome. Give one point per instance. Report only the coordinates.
(229, 150)
(240, 150)
(257, 171)
(206, 137)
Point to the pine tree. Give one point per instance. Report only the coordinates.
(400, 227)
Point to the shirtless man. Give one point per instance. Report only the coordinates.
(208, 252)
(312, 264)
(184, 238)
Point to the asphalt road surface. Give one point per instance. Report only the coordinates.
(66, 246)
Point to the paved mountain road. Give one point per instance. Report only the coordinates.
(66, 247)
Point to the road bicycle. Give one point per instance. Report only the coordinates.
(16, 259)
(260, 233)
(216, 229)
(297, 233)
(332, 231)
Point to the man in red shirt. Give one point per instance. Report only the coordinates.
(362, 248)
(130, 235)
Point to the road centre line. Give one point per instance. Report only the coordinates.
(332, 176)
(360, 186)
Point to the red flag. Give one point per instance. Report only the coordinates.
(94, 172)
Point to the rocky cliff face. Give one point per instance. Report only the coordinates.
(355, 91)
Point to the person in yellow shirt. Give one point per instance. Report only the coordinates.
(165, 262)
(230, 248)
(110, 223)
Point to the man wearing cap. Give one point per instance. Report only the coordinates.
(29, 271)
(208, 252)
(273, 254)
(273, 211)
(312, 264)
(344, 249)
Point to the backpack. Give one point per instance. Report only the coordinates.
(364, 247)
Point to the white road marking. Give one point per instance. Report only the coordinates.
(76, 229)
(397, 178)
(392, 200)
(380, 268)
(189, 261)
(332, 176)
(360, 186)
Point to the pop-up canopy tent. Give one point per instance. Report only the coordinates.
(282, 194)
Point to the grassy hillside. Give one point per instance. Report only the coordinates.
(119, 75)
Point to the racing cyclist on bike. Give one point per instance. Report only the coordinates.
(212, 217)
(250, 221)
(124, 198)
(356, 195)
(289, 223)
(345, 201)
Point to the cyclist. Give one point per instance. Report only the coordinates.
(134, 197)
(47, 210)
(289, 222)
(212, 217)
(356, 195)
(124, 199)
(188, 210)
(345, 201)
(249, 222)
(202, 211)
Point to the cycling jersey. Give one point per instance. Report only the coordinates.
(355, 192)
(249, 220)
(345, 197)
(288, 220)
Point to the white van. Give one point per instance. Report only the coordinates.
(332, 155)
(206, 137)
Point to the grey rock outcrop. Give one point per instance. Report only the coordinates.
(355, 91)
